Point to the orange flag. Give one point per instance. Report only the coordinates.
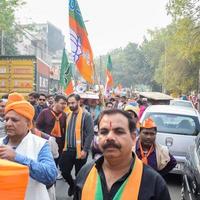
(80, 45)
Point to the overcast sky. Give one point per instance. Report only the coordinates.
(110, 23)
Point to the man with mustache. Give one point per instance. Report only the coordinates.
(150, 152)
(78, 138)
(118, 174)
(23, 147)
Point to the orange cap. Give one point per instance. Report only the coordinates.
(148, 123)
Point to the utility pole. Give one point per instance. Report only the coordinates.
(165, 74)
(2, 43)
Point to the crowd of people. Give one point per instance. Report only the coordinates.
(56, 133)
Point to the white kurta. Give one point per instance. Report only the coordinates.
(30, 147)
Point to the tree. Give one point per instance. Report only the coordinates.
(7, 25)
(130, 67)
(153, 50)
(173, 57)
(184, 8)
(189, 9)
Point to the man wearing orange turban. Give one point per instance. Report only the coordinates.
(23, 147)
(150, 152)
(17, 103)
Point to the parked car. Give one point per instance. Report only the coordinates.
(191, 177)
(183, 103)
(177, 129)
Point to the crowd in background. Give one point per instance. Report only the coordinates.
(71, 127)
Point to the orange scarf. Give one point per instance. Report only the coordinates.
(56, 131)
(14, 180)
(145, 156)
(129, 190)
(77, 131)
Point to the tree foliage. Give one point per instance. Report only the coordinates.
(168, 58)
(184, 8)
(130, 67)
(7, 24)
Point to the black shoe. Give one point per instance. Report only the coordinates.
(71, 191)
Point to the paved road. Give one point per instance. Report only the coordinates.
(174, 185)
(173, 181)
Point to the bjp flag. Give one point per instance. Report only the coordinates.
(80, 46)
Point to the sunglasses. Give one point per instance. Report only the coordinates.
(42, 99)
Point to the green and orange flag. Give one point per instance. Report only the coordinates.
(80, 46)
(66, 74)
(109, 78)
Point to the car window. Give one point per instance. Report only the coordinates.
(175, 124)
(181, 103)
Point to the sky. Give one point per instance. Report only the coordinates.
(110, 23)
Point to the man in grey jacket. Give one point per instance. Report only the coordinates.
(78, 138)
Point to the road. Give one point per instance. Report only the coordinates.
(174, 186)
(173, 182)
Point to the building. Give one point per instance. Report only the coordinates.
(41, 40)
(46, 42)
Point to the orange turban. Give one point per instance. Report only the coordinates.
(17, 103)
(13, 97)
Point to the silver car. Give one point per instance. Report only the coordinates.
(183, 103)
(177, 129)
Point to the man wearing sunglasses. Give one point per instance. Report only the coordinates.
(42, 104)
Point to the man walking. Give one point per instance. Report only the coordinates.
(42, 104)
(23, 147)
(79, 134)
(118, 174)
(33, 98)
(53, 121)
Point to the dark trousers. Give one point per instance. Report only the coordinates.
(67, 161)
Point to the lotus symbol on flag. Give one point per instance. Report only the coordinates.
(75, 46)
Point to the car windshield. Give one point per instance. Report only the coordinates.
(175, 124)
(181, 103)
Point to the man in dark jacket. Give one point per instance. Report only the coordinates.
(42, 104)
(79, 135)
(152, 153)
(53, 122)
(119, 174)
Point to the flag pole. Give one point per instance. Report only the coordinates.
(101, 96)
